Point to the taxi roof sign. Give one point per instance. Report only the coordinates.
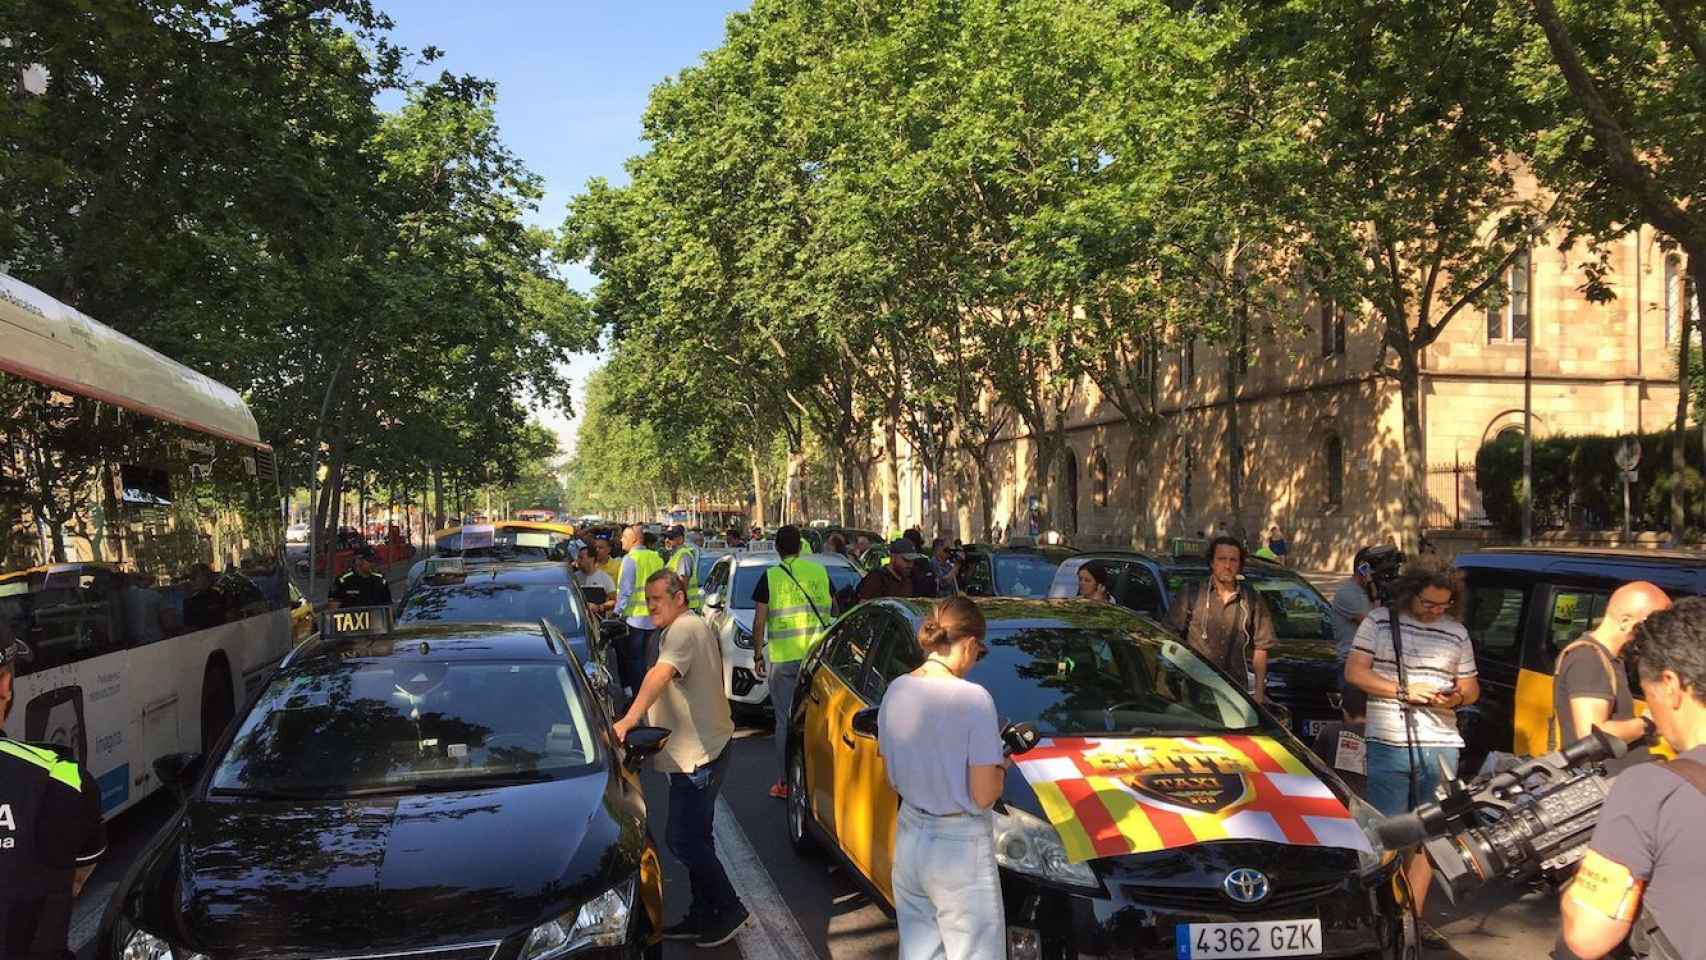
(478, 535)
(442, 566)
(355, 622)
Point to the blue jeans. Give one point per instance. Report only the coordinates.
(1389, 776)
(692, 814)
(631, 659)
(947, 890)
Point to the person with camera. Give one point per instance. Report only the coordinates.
(940, 739)
(1415, 678)
(892, 579)
(1641, 877)
(1351, 603)
(945, 564)
(1590, 685)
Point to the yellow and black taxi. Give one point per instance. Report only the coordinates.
(444, 791)
(1162, 814)
(1522, 606)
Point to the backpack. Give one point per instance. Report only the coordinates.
(1555, 726)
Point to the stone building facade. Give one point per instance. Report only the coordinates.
(1322, 432)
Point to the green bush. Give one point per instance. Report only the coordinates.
(1576, 482)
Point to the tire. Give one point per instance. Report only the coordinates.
(799, 805)
(218, 705)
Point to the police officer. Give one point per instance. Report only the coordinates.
(684, 560)
(50, 835)
(1646, 864)
(362, 586)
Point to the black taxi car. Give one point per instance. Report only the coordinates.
(445, 791)
(1280, 849)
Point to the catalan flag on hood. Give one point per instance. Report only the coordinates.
(1109, 797)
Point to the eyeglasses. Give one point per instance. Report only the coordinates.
(1432, 607)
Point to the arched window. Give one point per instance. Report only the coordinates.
(1099, 477)
(1334, 451)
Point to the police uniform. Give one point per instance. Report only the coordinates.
(50, 825)
(355, 590)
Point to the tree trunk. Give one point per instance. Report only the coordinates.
(1679, 450)
(844, 504)
(1234, 430)
(1415, 450)
(1046, 449)
(758, 519)
(891, 473)
(1696, 260)
(438, 497)
(986, 497)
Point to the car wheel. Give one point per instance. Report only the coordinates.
(799, 804)
(217, 705)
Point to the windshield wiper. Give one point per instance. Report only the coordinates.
(446, 784)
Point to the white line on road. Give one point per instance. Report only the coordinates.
(773, 934)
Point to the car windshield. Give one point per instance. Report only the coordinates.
(1023, 574)
(746, 580)
(494, 602)
(1299, 613)
(1100, 681)
(343, 726)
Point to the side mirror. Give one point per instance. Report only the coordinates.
(642, 744)
(298, 602)
(1280, 712)
(865, 722)
(178, 772)
(713, 602)
(613, 630)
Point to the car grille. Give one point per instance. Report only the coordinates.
(1197, 899)
(464, 951)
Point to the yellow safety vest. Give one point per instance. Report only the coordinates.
(791, 625)
(695, 597)
(646, 563)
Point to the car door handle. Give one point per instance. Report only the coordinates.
(814, 696)
(849, 741)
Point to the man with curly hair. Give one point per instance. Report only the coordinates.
(1413, 699)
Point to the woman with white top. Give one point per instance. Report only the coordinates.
(941, 743)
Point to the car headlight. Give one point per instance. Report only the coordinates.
(599, 922)
(743, 637)
(1026, 844)
(142, 945)
(1369, 819)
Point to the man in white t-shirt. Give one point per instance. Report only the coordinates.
(587, 574)
(1412, 715)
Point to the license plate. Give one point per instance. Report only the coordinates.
(1313, 728)
(1258, 938)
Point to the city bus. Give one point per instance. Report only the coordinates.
(141, 545)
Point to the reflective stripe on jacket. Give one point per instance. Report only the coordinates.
(791, 625)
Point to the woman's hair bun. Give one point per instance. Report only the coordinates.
(949, 620)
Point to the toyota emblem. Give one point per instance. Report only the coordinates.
(1245, 885)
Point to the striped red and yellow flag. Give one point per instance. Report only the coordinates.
(1108, 797)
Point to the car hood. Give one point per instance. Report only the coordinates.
(286, 878)
(1306, 649)
(1202, 866)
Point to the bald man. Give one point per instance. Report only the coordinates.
(1590, 686)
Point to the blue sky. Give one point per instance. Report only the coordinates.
(573, 77)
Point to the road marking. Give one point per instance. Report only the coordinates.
(773, 934)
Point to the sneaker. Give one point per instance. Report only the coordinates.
(722, 928)
(687, 928)
(779, 790)
(1431, 939)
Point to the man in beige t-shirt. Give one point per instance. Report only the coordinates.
(683, 693)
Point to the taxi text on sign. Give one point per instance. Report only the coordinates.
(1108, 797)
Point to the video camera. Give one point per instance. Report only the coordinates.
(1533, 819)
(1381, 565)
